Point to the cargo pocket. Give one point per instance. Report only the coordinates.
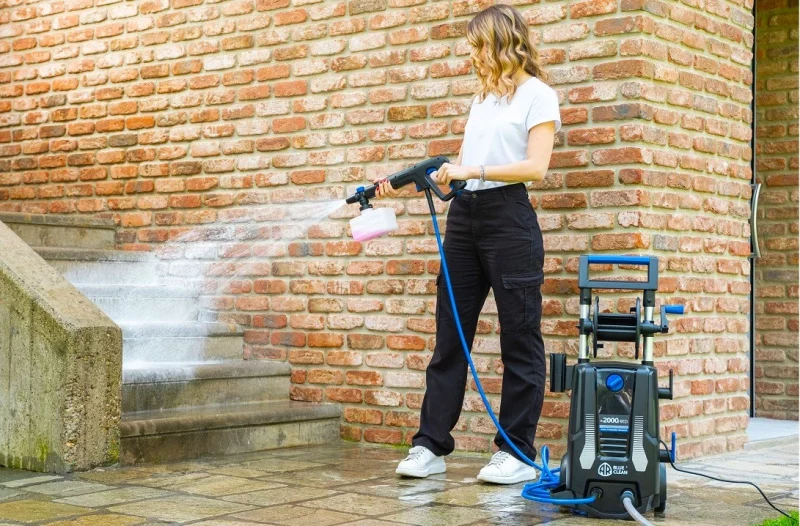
(520, 306)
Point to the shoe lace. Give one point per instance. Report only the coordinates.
(498, 458)
(415, 453)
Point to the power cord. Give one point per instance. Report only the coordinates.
(676, 468)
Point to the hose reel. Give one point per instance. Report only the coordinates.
(615, 327)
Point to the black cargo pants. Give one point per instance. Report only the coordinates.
(492, 241)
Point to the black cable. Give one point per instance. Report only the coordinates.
(676, 468)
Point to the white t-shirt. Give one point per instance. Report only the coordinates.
(497, 130)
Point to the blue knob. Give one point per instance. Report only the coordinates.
(615, 383)
(359, 189)
(673, 309)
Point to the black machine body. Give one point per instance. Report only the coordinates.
(613, 439)
(419, 174)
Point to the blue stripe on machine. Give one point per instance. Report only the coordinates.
(614, 429)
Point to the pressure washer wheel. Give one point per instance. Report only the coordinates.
(662, 508)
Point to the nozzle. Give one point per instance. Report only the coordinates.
(360, 197)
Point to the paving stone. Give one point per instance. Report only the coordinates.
(370, 522)
(360, 504)
(105, 519)
(280, 465)
(104, 499)
(220, 485)
(171, 480)
(399, 488)
(29, 511)
(115, 476)
(481, 494)
(290, 515)
(438, 516)
(236, 471)
(222, 522)
(180, 509)
(27, 479)
(273, 497)
(66, 488)
(6, 494)
(327, 478)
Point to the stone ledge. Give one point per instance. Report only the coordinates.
(90, 254)
(76, 221)
(62, 397)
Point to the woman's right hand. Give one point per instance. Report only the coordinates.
(385, 189)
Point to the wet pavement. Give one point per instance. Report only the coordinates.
(354, 485)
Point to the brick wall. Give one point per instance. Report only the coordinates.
(776, 169)
(166, 116)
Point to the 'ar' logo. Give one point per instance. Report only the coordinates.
(604, 470)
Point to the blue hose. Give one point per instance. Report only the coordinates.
(538, 491)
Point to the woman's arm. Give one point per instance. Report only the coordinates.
(540, 147)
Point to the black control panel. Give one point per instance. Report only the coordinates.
(614, 404)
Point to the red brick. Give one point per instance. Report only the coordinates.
(383, 436)
(373, 378)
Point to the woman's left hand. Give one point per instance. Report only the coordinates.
(451, 172)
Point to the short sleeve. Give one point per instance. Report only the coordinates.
(544, 108)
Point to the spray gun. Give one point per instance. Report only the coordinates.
(375, 223)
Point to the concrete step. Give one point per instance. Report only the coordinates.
(96, 267)
(143, 303)
(50, 230)
(109, 290)
(173, 386)
(167, 436)
(160, 342)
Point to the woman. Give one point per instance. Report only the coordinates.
(493, 241)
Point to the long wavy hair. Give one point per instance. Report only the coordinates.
(502, 32)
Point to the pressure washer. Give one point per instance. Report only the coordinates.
(614, 464)
(613, 446)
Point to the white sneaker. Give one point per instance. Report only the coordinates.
(506, 469)
(420, 463)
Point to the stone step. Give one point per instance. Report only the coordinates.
(109, 290)
(170, 342)
(51, 230)
(173, 386)
(97, 267)
(140, 309)
(167, 436)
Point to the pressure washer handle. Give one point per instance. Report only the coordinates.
(619, 260)
(455, 187)
(652, 272)
(419, 174)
